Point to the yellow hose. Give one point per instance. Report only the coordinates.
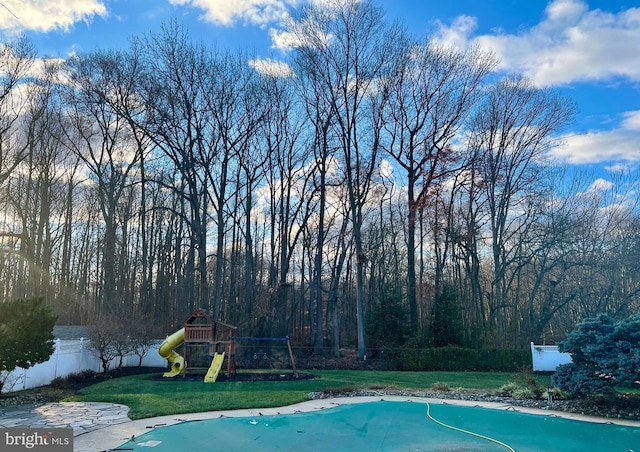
(477, 435)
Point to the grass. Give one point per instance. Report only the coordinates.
(147, 395)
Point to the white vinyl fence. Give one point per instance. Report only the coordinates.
(546, 358)
(72, 356)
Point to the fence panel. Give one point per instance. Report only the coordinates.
(546, 358)
(72, 356)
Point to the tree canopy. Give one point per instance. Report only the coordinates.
(285, 196)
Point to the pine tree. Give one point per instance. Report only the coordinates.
(604, 352)
(26, 334)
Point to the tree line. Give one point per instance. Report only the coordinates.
(369, 173)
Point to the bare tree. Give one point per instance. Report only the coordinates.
(431, 94)
(348, 44)
(175, 85)
(511, 133)
(287, 179)
(127, 71)
(36, 190)
(319, 112)
(101, 138)
(16, 59)
(104, 335)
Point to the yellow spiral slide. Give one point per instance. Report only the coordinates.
(167, 352)
(177, 360)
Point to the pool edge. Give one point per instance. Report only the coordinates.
(113, 436)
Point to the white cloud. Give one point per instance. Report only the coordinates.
(458, 33)
(283, 39)
(571, 43)
(386, 169)
(47, 15)
(617, 168)
(619, 144)
(274, 68)
(227, 12)
(566, 10)
(632, 120)
(287, 40)
(600, 185)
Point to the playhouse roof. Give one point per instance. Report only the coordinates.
(197, 315)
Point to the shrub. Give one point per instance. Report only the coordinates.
(604, 352)
(458, 359)
(72, 380)
(512, 389)
(104, 335)
(113, 337)
(555, 393)
(524, 393)
(438, 386)
(26, 336)
(577, 380)
(507, 389)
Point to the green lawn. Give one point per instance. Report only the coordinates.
(147, 395)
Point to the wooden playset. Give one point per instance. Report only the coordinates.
(207, 343)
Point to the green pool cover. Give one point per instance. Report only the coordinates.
(391, 426)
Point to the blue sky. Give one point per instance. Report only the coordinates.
(589, 49)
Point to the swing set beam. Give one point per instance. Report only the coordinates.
(293, 363)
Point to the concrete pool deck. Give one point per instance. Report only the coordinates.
(105, 426)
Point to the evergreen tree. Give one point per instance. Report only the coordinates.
(388, 323)
(605, 353)
(26, 334)
(447, 322)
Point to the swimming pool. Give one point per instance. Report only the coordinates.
(391, 426)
